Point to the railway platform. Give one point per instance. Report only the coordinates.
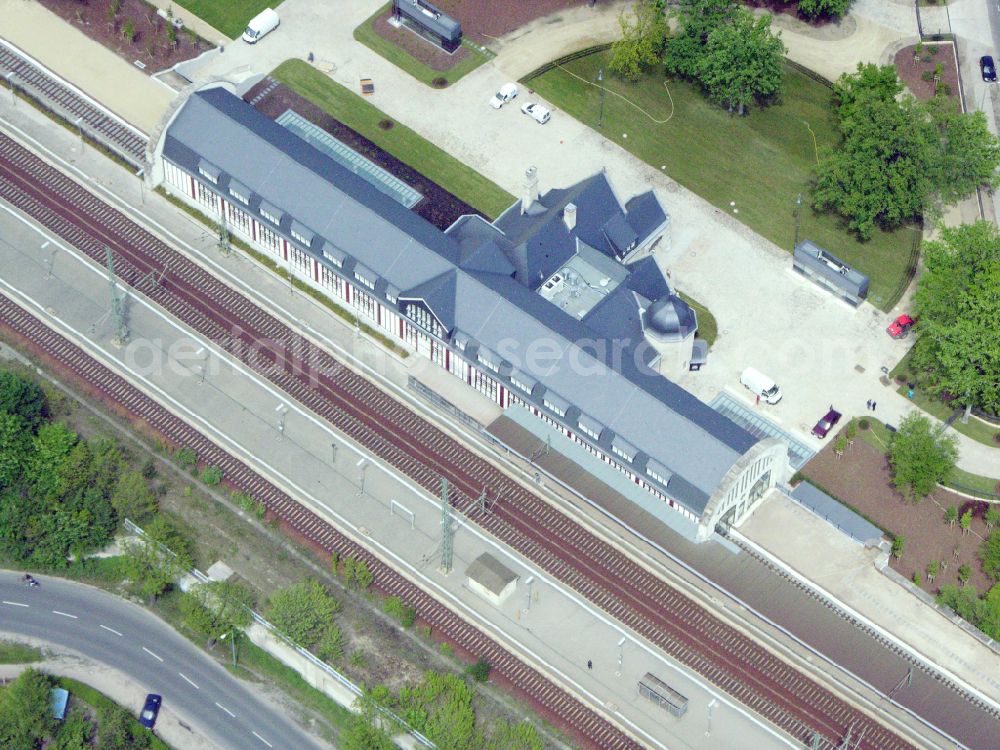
(106, 178)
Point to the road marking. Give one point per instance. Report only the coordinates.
(151, 653)
(261, 739)
(188, 680)
(64, 614)
(111, 630)
(16, 604)
(226, 710)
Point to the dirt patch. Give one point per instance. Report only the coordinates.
(917, 71)
(438, 206)
(150, 45)
(484, 22)
(863, 479)
(416, 47)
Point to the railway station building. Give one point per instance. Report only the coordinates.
(555, 308)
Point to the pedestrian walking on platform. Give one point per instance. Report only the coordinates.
(590, 664)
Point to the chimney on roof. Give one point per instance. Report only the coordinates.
(530, 194)
(569, 216)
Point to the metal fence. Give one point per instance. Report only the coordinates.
(391, 718)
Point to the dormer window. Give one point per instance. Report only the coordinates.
(209, 171)
(271, 213)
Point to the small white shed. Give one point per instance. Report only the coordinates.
(491, 579)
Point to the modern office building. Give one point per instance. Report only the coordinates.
(545, 309)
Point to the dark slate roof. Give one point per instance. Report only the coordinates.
(466, 285)
(646, 278)
(645, 214)
(619, 234)
(671, 318)
(617, 316)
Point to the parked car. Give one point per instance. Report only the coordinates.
(536, 112)
(988, 68)
(900, 327)
(507, 92)
(150, 710)
(826, 424)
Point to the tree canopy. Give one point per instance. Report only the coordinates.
(898, 156)
(742, 61)
(217, 607)
(644, 33)
(696, 19)
(827, 8)
(920, 456)
(303, 611)
(25, 719)
(22, 397)
(958, 306)
(989, 553)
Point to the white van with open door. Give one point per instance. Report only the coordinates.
(261, 24)
(761, 385)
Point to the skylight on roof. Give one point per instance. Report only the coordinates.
(350, 159)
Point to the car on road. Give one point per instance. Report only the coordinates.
(150, 710)
(988, 68)
(507, 92)
(536, 112)
(826, 424)
(900, 327)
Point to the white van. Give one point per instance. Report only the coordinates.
(264, 22)
(761, 385)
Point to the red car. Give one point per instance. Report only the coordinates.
(826, 424)
(900, 327)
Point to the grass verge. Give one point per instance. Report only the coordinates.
(228, 16)
(760, 162)
(97, 699)
(708, 328)
(302, 286)
(400, 141)
(366, 34)
(18, 653)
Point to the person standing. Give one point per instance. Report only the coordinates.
(590, 664)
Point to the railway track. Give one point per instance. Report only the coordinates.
(560, 546)
(108, 385)
(77, 109)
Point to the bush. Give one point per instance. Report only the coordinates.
(927, 75)
(918, 580)
(480, 671)
(395, 608)
(864, 424)
(331, 645)
(187, 458)
(386, 124)
(898, 545)
(212, 476)
(440, 82)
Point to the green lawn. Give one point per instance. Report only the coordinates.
(403, 143)
(708, 329)
(228, 16)
(18, 653)
(761, 161)
(365, 33)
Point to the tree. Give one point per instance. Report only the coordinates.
(363, 734)
(966, 153)
(964, 572)
(75, 731)
(951, 515)
(992, 518)
(153, 564)
(15, 447)
(742, 61)
(119, 731)
(962, 600)
(989, 553)
(330, 647)
(696, 19)
(643, 37)
(128, 31)
(217, 607)
(933, 570)
(303, 611)
(25, 719)
(827, 8)
(878, 175)
(920, 456)
(853, 92)
(22, 397)
(133, 498)
(958, 301)
(966, 521)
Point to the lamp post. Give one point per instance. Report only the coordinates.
(600, 87)
(529, 580)
(13, 94)
(232, 642)
(798, 212)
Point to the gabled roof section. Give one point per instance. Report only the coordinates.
(480, 246)
(645, 214)
(618, 316)
(646, 278)
(439, 296)
(619, 234)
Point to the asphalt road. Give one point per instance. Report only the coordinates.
(126, 637)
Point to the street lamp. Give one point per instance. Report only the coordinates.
(528, 581)
(798, 212)
(600, 87)
(232, 642)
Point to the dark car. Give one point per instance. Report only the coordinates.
(900, 327)
(989, 69)
(826, 424)
(150, 710)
